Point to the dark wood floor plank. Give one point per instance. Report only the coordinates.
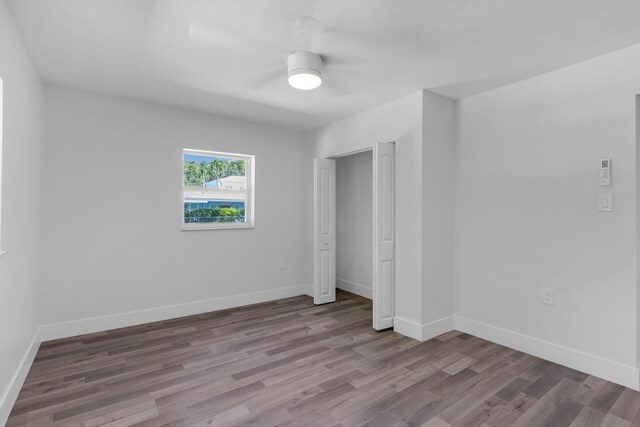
(606, 397)
(508, 414)
(291, 363)
(627, 406)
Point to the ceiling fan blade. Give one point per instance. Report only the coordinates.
(203, 33)
(218, 37)
(345, 43)
(339, 61)
(344, 79)
(268, 79)
(332, 90)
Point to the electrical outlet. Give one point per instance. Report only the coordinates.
(547, 296)
(281, 264)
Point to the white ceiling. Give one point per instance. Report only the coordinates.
(375, 50)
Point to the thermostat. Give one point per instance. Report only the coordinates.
(605, 172)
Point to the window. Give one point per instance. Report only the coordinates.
(217, 190)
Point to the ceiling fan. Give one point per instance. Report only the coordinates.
(320, 56)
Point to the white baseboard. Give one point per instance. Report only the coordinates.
(437, 327)
(407, 327)
(425, 331)
(102, 323)
(354, 288)
(10, 394)
(308, 290)
(610, 370)
(626, 375)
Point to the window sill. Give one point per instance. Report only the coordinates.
(228, 226)
(3, 253)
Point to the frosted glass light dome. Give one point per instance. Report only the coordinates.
(305, 79)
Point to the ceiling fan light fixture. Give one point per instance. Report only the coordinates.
(305, 70)
(305, 79)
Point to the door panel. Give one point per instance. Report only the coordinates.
(384, 238)
(324, 266)
(387, 282)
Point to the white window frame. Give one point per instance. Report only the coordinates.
(249, 203)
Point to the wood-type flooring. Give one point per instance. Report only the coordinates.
(290, 363)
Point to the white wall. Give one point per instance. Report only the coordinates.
(399, 121)
(438, 177)
(20, 203)
(112, 210)
(637, 230)
(354, 223)
(527, 183)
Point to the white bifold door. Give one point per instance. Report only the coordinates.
(384, 235)
(324, 280)
(324, 236)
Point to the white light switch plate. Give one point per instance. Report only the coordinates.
(605, 202)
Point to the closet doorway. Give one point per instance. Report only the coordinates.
(354, 228)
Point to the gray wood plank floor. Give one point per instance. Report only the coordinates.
(290, 363)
